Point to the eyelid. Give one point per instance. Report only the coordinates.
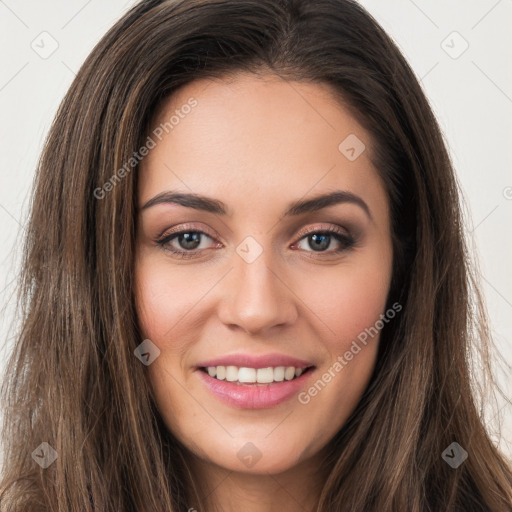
(186, 226)
(324, 227)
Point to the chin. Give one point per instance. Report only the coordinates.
(256, 456)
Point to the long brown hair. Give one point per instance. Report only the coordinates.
(73, 380)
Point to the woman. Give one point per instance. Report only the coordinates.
(245, 281)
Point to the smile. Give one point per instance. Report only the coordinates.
(244, 391)
(245, 375)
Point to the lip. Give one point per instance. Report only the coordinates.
(253, 361)
(255, 396)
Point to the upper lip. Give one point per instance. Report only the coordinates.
(255, 361)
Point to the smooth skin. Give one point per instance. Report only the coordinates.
(258, 144)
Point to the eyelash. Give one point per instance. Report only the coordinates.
(347, 241)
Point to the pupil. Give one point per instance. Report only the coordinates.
(321, 241)
(189, 238)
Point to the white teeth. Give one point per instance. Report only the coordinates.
(231, 373)
(279, 374)
(220, 372)
(247, 375)
(264, 375)
(289, 373)
(253, 375)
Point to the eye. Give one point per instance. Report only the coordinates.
(184, 243)
(187, 242)
(321, 240)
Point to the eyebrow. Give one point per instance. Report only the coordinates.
(208, 204)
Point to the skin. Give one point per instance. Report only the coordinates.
(258, 144)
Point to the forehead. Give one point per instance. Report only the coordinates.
(259, 138)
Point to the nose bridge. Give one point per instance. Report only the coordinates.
(257, 298)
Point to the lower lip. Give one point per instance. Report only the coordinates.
(253, 396)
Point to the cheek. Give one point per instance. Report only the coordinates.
(348, 300)
(350, 303)
(163, 300)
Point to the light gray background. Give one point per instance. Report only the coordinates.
(470, 92)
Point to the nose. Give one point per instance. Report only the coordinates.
(256, 297)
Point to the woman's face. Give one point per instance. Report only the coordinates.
(258, 291)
